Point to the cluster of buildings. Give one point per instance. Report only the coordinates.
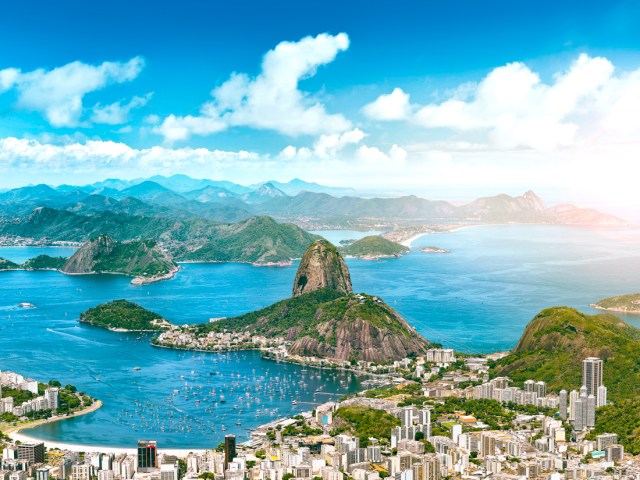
(424, 446)
(49, 401)
(579, 407)
(185, 337)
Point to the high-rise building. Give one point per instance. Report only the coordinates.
(53, 398)
(541, 389)
(147, 455)
(591, 411)
(578, 419)
(601, 396)
(530, 386)
(573, 396)
(229, 449)
(562, 399)
(592, 374)
(32, 452)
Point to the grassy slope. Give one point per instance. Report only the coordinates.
(373, 245)
(121, 314)
(556, 341)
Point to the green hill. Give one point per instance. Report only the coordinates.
(136, 258)
(374, 246)
(556, 341)
(622, 303)
(622, 418)
(44, 262)
(259, 240)
(124, 315)
(8, 264)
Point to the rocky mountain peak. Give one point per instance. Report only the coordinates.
(322, 267)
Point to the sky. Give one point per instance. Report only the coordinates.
(448, 99)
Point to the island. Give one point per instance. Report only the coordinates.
(373, 247)
(323, 322)
(143, 259)
(44, 262)
(622, 303)
(8, 264)
(432, 249)
(124, 316)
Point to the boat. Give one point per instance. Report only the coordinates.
(26, 305)
(136, 368)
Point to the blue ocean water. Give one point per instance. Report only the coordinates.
(477, 298)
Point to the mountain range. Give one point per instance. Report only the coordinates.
(306, 204)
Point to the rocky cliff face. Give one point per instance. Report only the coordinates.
(87, 256)
(359, 327)
(322, 267)
(142, 258)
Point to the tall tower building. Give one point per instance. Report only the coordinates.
(147, 455)
(601, 397)
(573, 396)
(591, 411)
(229, 449)
(592, 374)
(562, 399)
(578, 420)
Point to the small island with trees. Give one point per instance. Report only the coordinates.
(622, 303)
(124, 316)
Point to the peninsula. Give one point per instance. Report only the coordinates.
(124, 316)
(622, 304)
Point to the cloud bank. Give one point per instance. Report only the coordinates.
(272, 99)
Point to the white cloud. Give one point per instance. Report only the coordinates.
(330, 145)
(92, 155)
(514, 108)
(8, 78)
(393, 106)
(118, 113)
(58, 93)
(369, 154)
(272, 99)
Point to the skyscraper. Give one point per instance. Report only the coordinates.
(229, 449)
(601, 397)
(563, 404)
(592, 374)
(573, 396)
(147, 455)
(591, 411)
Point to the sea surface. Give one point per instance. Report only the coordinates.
(477, 298)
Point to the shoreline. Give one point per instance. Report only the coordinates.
(615, 310)
(16, 429)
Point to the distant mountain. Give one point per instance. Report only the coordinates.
(556, 341)
(259, 240)
(263, 193)
(102, 254)
(296, 186)
(210, 193)
(7, 264)
(184, 183)
(318, 205)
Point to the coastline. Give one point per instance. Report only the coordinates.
(616, 310)
(14, 430)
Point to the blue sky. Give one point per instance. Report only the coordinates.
(448, 99)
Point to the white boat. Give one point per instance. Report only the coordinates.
(26, 305)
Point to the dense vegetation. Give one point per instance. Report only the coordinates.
(142, 258)
(122, 314)
(374, 246)
(7, 264)
(625, 303)
(44, 262)
(364, 422)
(556, 341)
(622, 418)
(257, 240)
